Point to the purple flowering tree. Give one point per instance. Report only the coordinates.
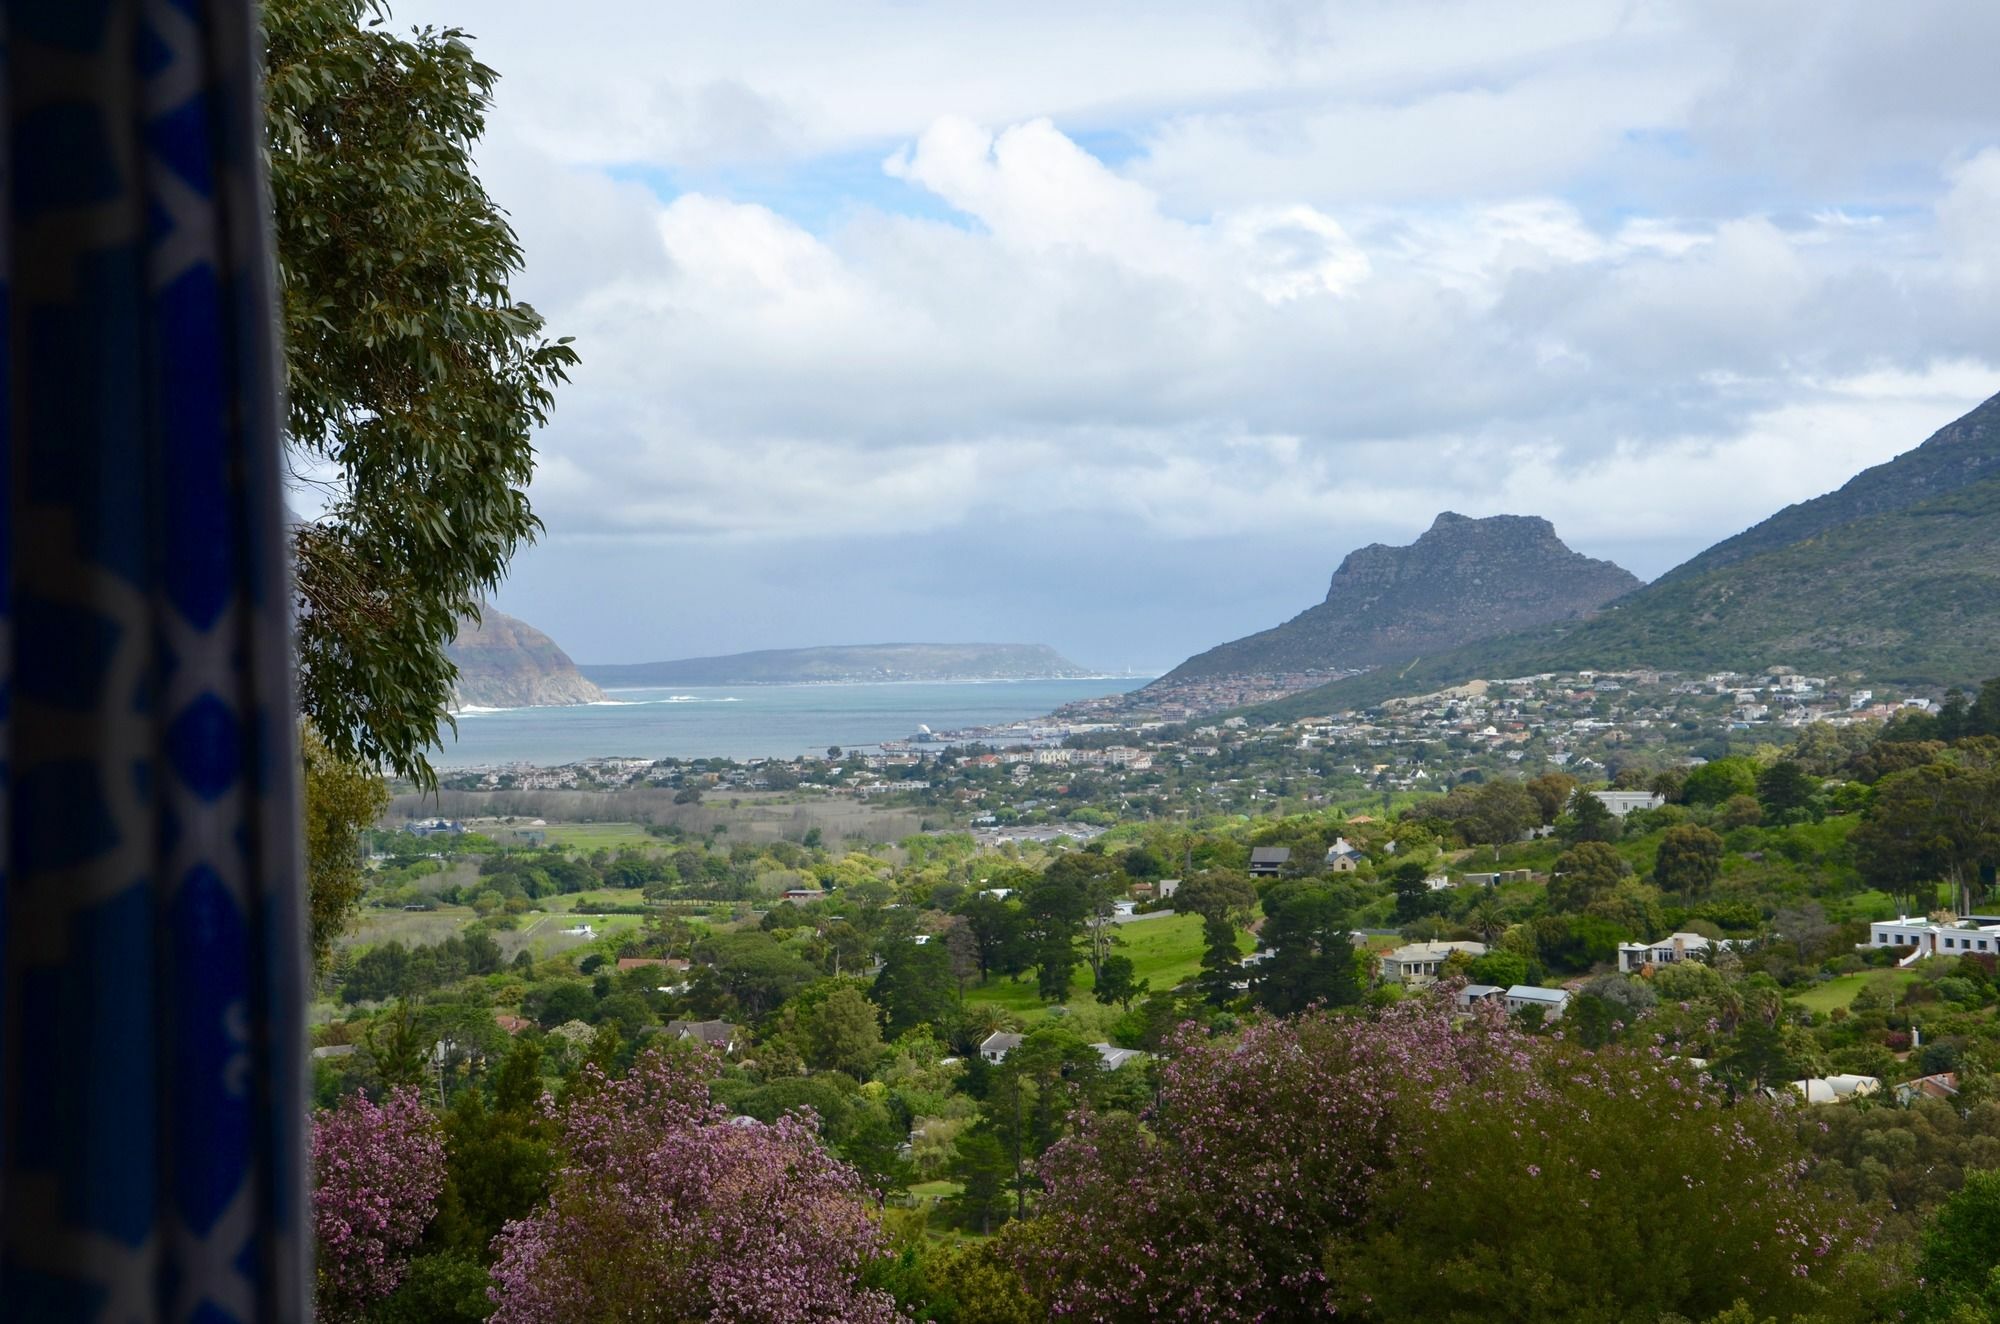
(1417, 1164)
(664, 1208)
(1219, 1203)
(377, 1171)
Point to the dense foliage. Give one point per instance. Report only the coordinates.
(413, 378)
(1399, 1167)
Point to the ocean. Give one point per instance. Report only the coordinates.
(751, 721)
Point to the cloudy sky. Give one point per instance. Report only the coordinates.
(1114, 326)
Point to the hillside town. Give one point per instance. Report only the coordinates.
(1085, 766)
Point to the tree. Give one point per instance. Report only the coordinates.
(1937, 822)
(662, 1209)
(983, 1168)
(1301, 1166)
(1053, 909)
(498, 1158)
(1689, 860)
(1582, 874)
(1115, 982)
(998, 933)
(1959, 1263)
(1223, 899)
(377, 1172)
(414, 379)
(1552, 792)
(1629, 1200)
(1499, 969)
(750, 970)
(1785, 788)
(341, 798)
(1502, 811)
(1312, 955)
(1717, 780)
(841, 1031)
(915, 985)
(1588, 819)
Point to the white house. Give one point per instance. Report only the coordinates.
(1553, 1001)
(1474, 993)
(1418, 963)
(1343, 856)
(1920, 936)
(1621, 803)
(997, 1045)
(1835, 1089)
(1675, 947)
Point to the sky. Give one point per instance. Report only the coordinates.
(1116, 326)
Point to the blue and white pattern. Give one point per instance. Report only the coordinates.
(151, 1108)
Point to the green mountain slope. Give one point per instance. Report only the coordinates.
(850, 664)
(1903, 590)
(1962, 452)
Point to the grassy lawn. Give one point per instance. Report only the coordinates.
(1164, 952)
(590, 836)
(541, 934)
(609, 896)
(1841, 989)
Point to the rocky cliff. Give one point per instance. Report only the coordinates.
(505, 663)
(1464, 579)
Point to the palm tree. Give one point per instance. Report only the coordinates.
(1486, 920)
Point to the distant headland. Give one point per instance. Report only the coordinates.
(848, 664)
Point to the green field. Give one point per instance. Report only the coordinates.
(540, 933)
(1841, 990)
(591, 836)
(1165, 952)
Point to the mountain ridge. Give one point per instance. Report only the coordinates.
(1896, 574)
(1461, 579)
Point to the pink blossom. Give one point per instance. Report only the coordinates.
(666, 1209)
(377, 1172)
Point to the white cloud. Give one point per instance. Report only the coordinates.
(1197, 274)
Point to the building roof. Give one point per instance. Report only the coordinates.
(1943, 1085)
(641, 962)
(1434, 951)
(1533, 993)
(1115, 1057)
(1473, 991)
(1270, 854)
(1000, 1041)
(719, 1033)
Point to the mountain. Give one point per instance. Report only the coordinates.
(1896, 575)
(505, 663)
(849, 664)
(1463, 579)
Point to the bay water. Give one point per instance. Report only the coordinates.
(751, 721)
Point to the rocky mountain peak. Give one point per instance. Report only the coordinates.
(1464, 578)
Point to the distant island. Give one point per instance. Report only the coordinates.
(848, 664)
